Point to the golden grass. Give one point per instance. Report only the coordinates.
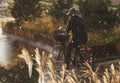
(43, 24)
(48, 73)
(25, 55)
(96, 37)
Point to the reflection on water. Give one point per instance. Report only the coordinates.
(10, 47)
(4, 49)
(4, 52)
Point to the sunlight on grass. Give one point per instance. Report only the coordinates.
(48, 73)
(97, 37)
(43, 25)
(25, 55)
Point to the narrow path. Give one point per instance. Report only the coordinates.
(38, 44)
(109, 62)
(48, 48)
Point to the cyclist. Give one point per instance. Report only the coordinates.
(76, 25)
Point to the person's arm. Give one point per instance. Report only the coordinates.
(69, 26)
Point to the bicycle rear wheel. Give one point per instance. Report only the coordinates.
(83, 56)
(57, 52)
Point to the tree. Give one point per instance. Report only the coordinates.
(117, 13)
(59, 7)
(25, 10)
(97, 13)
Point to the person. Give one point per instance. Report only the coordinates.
(77, 26)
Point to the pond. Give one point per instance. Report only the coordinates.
(11, 46)
(5, 48)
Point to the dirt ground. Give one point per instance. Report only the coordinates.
(17, 74)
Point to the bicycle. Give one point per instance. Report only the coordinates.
(59, 50)
(82, 53)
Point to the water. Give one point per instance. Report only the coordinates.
(4, 48)
(9, 46)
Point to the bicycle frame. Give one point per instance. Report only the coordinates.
(83, 55)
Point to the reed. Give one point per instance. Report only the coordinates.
(26, 56)
(49, 74)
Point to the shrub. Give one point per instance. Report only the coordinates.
(25, 10)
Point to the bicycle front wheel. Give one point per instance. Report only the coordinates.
(57, 52)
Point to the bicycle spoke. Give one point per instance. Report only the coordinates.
(58, 52)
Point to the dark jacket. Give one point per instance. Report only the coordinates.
(78, 28)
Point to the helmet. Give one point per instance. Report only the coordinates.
(71, 11)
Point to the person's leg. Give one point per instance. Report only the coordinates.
(76, 53)
(68, 56)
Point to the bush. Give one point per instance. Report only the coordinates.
(25, 10)
(97, 13)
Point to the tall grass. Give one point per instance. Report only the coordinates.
(43, 25)
(49, 74)
(97, 37)
(25, 55)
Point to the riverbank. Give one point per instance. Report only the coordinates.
(20, 72)
(29, 35)
(108, 50)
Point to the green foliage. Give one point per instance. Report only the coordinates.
(59, 7)
(25, 10)
(97, 13)
(117, 13)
